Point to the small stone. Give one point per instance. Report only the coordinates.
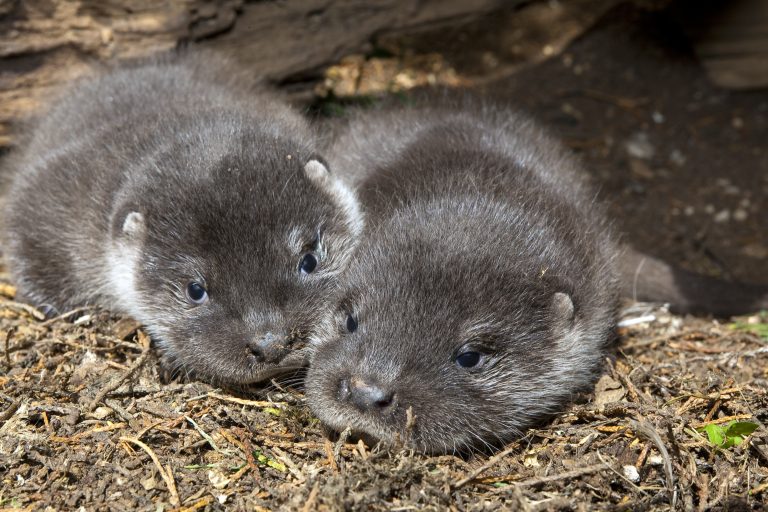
(85, 319)
(570, 110)
(639, 146)
(148, 483)
(740, 215)
(710, 209)
(218, 479)
(755, 250)
(737, 123)
(689, 210)
(677, 157)
(657, 117)
(531, 460)
(102, 412)
(655, 460)
(722, 216)
(631, 473)
(640, 169)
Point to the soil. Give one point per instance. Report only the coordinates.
(87, 424)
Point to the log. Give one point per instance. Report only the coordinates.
(44, 43)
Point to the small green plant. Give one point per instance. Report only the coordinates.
(760, 328)
(728, 435)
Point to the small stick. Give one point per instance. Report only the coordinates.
(8, 336)
(645, 428)
(242, 401)
(112, 386)
(34, 312)
(724, 419)
(586, 470)
(493, 460)
(310, 503)
(65, 315)
(340, 443)
(167, 477)
(10, 411)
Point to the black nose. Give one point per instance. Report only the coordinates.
(269, 348)
(366, 396)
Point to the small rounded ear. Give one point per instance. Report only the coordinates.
(562, 309)
(133, 224)
(316, 170)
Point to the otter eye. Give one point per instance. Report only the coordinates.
(468, 359)
(351, 323)
(196, 293)
(308, 263)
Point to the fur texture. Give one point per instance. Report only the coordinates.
(151, 177)
(482, 240)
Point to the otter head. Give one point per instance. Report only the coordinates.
(228, 257)
(452, 333)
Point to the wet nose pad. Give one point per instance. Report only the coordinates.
(269, 348)
(367, 396)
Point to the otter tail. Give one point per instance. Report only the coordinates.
(645, 278)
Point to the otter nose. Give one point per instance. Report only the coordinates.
(367, 396)
(268, 349)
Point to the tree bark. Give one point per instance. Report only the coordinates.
(45, 43)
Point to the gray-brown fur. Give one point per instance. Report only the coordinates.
(481, 237)
(650, 279)
(152, 176)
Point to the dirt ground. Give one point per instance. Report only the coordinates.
(87, 424)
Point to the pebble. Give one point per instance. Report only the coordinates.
(722, 216)
(677, 157)
(631, 473)
(740, 214)
(639, 146)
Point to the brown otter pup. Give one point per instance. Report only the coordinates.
(170, 192)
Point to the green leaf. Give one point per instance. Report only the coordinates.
(737, 431)
(760, 328)
(714, 433)
(728, 435)
(263, 459)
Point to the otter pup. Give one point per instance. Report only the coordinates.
(485, 291)
(485, 283)
(170, 192)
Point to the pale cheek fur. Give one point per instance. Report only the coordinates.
(122, 267)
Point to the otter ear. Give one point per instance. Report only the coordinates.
(562, 310)
(338, 192)
(316, 170)
(133, 224)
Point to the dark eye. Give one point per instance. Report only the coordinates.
(308, 263)
(351, 323)
(468, 359)
(196, 293)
